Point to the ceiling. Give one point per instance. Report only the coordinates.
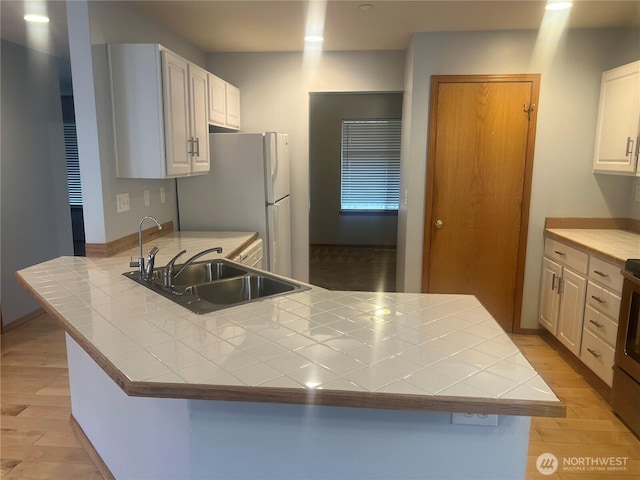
(254, 26)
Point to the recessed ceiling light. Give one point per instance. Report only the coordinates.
(365, 7)
(558, 5)
(36, 18)
(313, 38)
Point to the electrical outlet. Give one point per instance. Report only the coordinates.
(474, 419)
(163, 199)
(122, 200)
(147, 202)
(638, 193)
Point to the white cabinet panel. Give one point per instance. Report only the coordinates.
(549, 296)
(570, 314)
(160, 112)
(616, 149)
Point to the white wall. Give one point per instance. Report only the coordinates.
(563, 182)
(275, 91)
(91, 27)
(36, 219)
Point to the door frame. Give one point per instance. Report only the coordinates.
(436, 80)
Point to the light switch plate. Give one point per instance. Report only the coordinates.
(147, 201)
(122, 200)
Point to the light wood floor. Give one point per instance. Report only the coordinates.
(37, 442)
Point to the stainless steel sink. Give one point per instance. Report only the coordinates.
(240, 289)
(216, 284)
(201, 272)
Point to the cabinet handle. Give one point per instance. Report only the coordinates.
(597, 324)
(197, 142)
(602, 274)
(553, 282)
(562, 254)
(190, 142)
(594, 353)
(629, 147)
(598, 299)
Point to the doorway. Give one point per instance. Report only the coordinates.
(479, 168)
(352, 243)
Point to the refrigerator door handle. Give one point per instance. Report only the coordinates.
(274, 259)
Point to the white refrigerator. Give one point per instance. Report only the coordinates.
(247, 189)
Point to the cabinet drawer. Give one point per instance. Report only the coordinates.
(598, 356)
(601, 326)
(566, 255)
(603, 300)
(606, 274)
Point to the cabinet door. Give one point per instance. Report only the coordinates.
(199, 119)
(549, 296)
(618, 120)
(573, 288)
(176, 114)
(233, 106)
(217, 100)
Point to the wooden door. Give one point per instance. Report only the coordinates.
(481, 140)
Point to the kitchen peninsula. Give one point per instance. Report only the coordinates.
(313, 384)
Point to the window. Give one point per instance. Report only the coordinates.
(370, 170)
(73, 164)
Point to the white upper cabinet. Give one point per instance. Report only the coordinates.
(160, 112)
(618, 128)
(224, 103)
(233, 106)
(217, 100)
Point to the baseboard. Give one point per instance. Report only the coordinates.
(88, 446)
(20, 321)
(591, 378)
(103, 250)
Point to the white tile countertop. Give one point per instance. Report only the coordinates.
(381, 350)
(613, 244)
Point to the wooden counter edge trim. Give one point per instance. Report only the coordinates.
(582, 246)
(629, 224)
(103, 250)
(90, 449)
(240, 248)
(355, 399)
(335, 398)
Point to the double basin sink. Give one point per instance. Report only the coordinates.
(211, 285)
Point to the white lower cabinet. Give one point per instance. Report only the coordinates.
(562, 293)
(601, 318)
(579, 304)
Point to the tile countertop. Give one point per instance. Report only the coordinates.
(373, 350)
(613, 245)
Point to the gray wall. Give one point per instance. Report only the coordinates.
(91, 27)
(36, 219)
(326, 224)
(563, 182)
(275, 89)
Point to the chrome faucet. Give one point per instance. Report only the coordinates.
(148, 269)
(167, 272)
(140, 262)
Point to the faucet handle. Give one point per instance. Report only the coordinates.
(132, 263)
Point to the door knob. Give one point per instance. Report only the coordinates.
(439, 223)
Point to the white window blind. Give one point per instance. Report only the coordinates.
(73, 164)
(370, 168)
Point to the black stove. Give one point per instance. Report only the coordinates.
(633, 265)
